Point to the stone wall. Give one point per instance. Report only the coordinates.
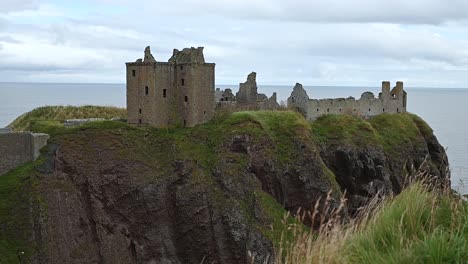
(368, 105)
(179, 92)
(247, 99)
(19, 148)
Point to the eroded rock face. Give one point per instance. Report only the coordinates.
(128, 195)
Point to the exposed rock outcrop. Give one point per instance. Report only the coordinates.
(112, 193)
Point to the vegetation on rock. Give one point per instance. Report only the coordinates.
(216, 189)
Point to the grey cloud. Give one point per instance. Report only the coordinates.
(7, 6)
(321, 11)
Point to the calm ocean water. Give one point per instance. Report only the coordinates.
(441, 108)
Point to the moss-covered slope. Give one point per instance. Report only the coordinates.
(110, 192)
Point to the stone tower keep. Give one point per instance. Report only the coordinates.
(179, 92)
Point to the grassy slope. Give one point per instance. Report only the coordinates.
(201, 142)
(61, 113)
(16, 195)
(417, 226)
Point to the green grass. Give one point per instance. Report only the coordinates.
(61, 113)
(15, 207)
(418, 226)
(392, 132)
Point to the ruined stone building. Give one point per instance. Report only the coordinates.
(388, 101)
(179, 92)
(247, 98)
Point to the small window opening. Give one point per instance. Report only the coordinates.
(164, 93)
(146, 90)
(354, 110)
(204, 112)
(181, 67)
(398, 110)
(317, 109)
(133, 73)
(340, 110)
(369, 109)
(183, 82)
(139, 121)
(328, 109)
(140, 110)
(185, 123)
(383, 110)
(186, 98)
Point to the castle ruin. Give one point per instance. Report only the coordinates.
(179, 92)
(247, 98)
(388, 101)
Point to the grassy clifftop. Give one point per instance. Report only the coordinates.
(61, 113)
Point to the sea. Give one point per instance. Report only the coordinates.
(442, 108)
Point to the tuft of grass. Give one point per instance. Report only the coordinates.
(420, 225)
(61, 113)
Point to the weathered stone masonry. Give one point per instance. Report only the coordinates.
(388, 101)
(179, 92)
(247, 98)
(19, 148)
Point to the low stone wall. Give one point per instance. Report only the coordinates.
(19, 148)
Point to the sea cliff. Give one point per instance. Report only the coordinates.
(108, 192)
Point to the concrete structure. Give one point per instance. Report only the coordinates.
(247, 98)
(388, 101)
(179, 92)
(19, 148)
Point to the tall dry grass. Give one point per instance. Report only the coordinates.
(423, 224)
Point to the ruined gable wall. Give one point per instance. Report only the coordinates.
(19, 148)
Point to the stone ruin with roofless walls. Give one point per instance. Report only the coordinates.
(179, 92)
(388, 101)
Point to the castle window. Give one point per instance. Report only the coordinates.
(317, 110)
(181, 67)
(133, 73)
(369, 109)
(383, 110)
(354, 110)
(140, 110)
(340, 110)
(186, 98)
(204, 112)
(185, 123)
(146, 90)
(139, 121)
(398, 110)
(164, 93)
(183, 82)
(328, 109)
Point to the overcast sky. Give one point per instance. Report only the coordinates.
(315, 42)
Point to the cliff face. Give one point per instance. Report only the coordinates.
(111, 193)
